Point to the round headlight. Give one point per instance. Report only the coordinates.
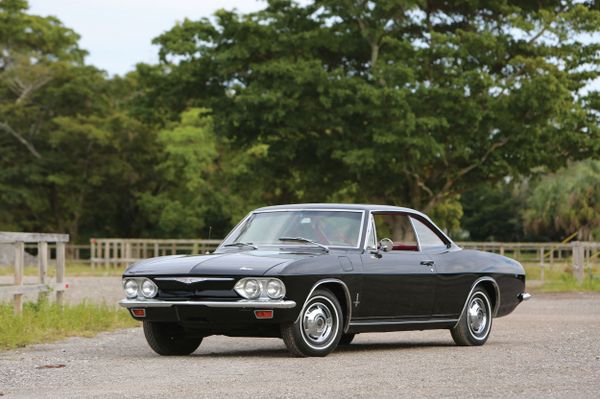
(275, 289)
(149, 289)
(131, 288)
(252, 289)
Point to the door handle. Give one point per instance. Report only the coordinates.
(427, 263)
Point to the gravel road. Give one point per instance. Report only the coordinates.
(93, 289)
(549, 347)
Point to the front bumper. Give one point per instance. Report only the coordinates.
(241, 304)
(214, 317)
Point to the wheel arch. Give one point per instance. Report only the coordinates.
(491, 287)
(341, 292)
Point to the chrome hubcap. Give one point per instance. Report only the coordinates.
(477, 316)
(317, 323)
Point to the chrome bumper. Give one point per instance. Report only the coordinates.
(524, 296)
(156, 303)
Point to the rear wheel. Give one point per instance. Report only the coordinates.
(319, 327)
(475, 323)
(169, 339)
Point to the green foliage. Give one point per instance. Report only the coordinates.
(46, 322)
(493, 212)
(567, 201)
(182, 195)
(399, 102)
(413, 103)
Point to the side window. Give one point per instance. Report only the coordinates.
(371, 239)
(427, 238)
(396, 227)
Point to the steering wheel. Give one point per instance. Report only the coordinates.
(386, 244)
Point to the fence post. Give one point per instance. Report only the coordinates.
(19, 247)
(93, 252)
(43, 268)
(501, 249)
(60, 271)
(542, 264)
(578, 261)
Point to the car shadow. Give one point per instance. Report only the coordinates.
(355, 347)
(385, 346)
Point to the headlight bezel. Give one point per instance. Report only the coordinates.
(263, 291)
(139, 284)
(128, 287)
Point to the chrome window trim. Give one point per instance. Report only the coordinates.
(360, 231)
(370, 227)
(255, 304)
(346, 291)
(419, 247)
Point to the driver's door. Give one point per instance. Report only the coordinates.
(398, 283)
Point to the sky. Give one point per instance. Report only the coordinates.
(118, 33)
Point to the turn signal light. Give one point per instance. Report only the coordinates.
(139, 312)
(263, 314)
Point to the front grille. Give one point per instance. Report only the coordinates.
(175, 288)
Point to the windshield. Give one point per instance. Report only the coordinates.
(331, 228)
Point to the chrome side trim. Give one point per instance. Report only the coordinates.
(479, 280)
(192, 280)
(346, 291)
(524, 296)
(156, 303)
(395, 322)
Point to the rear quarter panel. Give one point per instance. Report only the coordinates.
(458, 270)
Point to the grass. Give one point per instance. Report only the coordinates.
(46, 322)
(560, 278)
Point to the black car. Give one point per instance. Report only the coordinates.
(316, 275)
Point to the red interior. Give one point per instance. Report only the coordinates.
(404, 247)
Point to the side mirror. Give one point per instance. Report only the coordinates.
(386, 244)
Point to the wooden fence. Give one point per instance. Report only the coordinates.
(18, 241)
(120, 251)
(578, 257)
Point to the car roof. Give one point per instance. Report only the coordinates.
(353, 207)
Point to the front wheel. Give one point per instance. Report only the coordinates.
(169, 339)
(475, 323)
(319, 327)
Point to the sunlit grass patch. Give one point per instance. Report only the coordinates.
(45, 322)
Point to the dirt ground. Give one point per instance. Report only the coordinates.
(549, 347)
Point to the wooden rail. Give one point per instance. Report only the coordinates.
(18, 241)
(112, 252)
(121, 251)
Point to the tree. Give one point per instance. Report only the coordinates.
(567, 201)
(494, 212)
(71, 157)
(399, 102)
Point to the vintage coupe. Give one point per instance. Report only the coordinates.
(316, 275)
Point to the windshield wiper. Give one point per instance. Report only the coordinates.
(241, 244)
(302, 239)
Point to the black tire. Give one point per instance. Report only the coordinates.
(169, 339)
(475, 323)
(346, 339)
(319, 328)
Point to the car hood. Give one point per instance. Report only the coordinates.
(229, 264)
